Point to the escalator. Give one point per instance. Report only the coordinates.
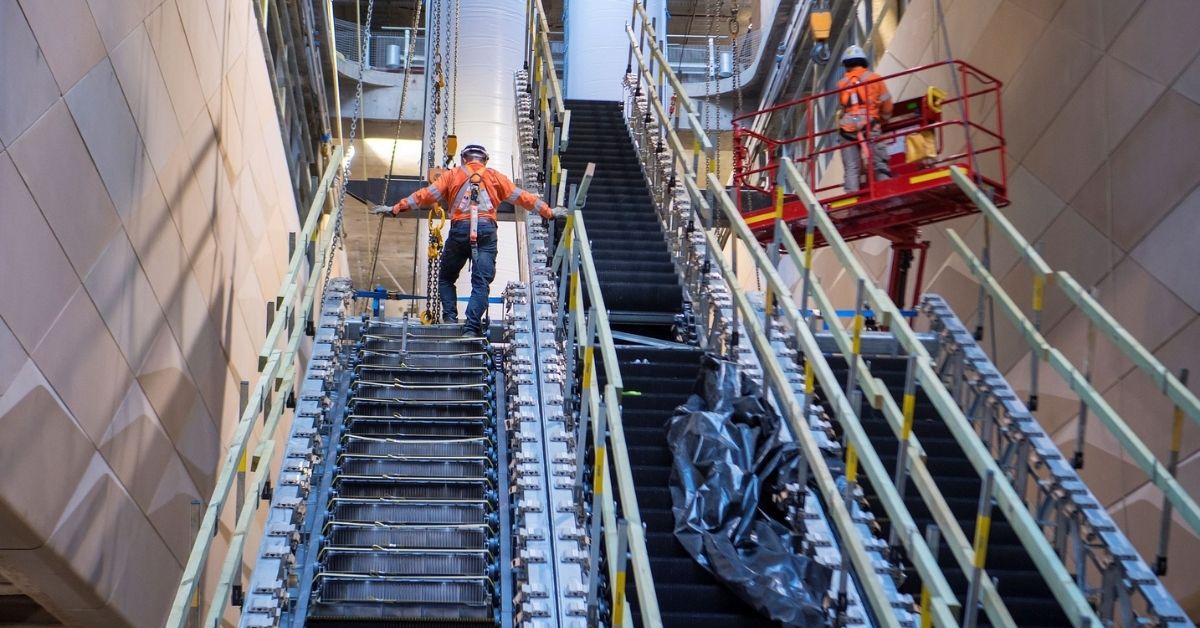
(637, 277)
(642, 292)
(409, 532)
(1017, 579)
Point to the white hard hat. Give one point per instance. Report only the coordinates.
(854, 53)
(474, 151)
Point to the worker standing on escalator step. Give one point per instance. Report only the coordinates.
(472, 192)
(863, 108)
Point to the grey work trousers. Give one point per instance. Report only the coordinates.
(852, 160)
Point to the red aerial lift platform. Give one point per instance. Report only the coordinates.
(960, 126)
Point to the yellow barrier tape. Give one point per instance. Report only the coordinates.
(983, 525)
(619, 603)
(909, 409)
(588, 354)
(598, 471)
(926, 616)
(574, 291)
(856, 346)
(808, 249)
(851, 463)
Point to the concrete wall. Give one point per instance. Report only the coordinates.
(1102, 115)
(144, 210)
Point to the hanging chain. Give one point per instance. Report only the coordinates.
(433, 304)
(439, 81)
(734, 29)
(339, 228)
(712, 112)
(387, 178)
(451, 97)
(454, 68)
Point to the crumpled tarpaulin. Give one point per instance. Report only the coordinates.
(731, 453)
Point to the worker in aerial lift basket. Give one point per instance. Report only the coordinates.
(473, 191)
(863, 108)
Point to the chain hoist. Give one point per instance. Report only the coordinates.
(439, 83)
(433, 305)
(338, 241)
(387, 179)
(449, 139)
(712, 114)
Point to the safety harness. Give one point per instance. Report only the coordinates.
(471, 200)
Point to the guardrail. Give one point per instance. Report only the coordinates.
(1060, 582)
(688, 218)
(270, 396)
(552, 119)
(1132, 569)
(586, 330)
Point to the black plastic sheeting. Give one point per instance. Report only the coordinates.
(731, 456)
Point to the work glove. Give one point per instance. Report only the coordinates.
(559, 212)
(383, 210)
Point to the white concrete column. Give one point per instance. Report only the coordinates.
(490, 50)
(597, 48)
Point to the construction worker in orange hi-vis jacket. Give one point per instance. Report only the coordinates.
(471, 192)
(863, 108)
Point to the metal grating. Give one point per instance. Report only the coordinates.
(409, 532)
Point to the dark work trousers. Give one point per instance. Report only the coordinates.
(455, 255)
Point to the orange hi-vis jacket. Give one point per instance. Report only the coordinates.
(865, 104)
(452, 188)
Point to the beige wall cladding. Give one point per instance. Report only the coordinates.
(32, 264)
(59, 171)
(142, 230)
(12, 357)
(29, 87)
(1170, 252)
(1096, 21)
(44, 469)
(67, 36)
(1102, 115)
(1188, 83)
(1148, 174)
(1158, 40)
(98, 106)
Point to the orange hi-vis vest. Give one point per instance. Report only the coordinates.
(474, 186)
(862, 102)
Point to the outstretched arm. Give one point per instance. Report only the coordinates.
(425, 197)
(521, 198)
